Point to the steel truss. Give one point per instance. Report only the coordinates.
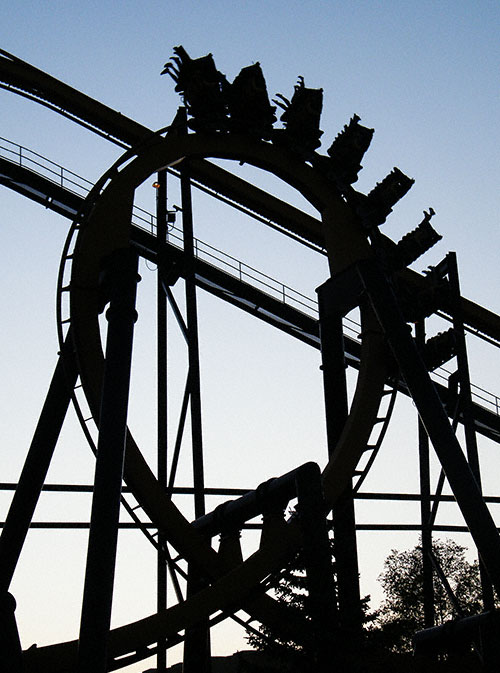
(104, 271)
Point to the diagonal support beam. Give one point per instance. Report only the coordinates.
(121, 280)
(37, 463)
(430, 409)
(336, 408)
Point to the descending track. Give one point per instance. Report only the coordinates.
(89, 248)
(26, 80)
(61, 190)
(104, 225)
(160, 509)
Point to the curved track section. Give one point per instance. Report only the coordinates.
(24, 79)
(104, 228)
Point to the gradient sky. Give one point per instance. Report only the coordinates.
(424, 75)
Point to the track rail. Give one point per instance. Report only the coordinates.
(137, 474)
(37, 177)
(131, 643)
(24, 79)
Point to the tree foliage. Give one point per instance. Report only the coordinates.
(402, 614)
(289, 588)
(285, 652)
(389, 630)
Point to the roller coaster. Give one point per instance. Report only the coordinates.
(369, 272)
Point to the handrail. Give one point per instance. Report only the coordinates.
(36, 163)
(63, 177)
(145, 220)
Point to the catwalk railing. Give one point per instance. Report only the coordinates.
(80, 186)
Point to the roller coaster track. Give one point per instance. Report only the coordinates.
(26, 80)
(136, 637)
(63, 191)
(131, 643)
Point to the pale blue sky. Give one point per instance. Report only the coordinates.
(424, 75)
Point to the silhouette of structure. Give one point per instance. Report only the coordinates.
(368, 270)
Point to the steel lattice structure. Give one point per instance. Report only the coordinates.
(368, 271)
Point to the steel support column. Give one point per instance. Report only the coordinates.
(10, 645)
(430, 409)
(121, 287)
(465, 402)
(336, 407)
(193, 345)
(425, 503)
(162, 418)
(37, 463)
(197, 641)
(328, 650)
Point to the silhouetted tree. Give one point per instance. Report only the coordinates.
(289, 589)
(401, 614)
(283, 651)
